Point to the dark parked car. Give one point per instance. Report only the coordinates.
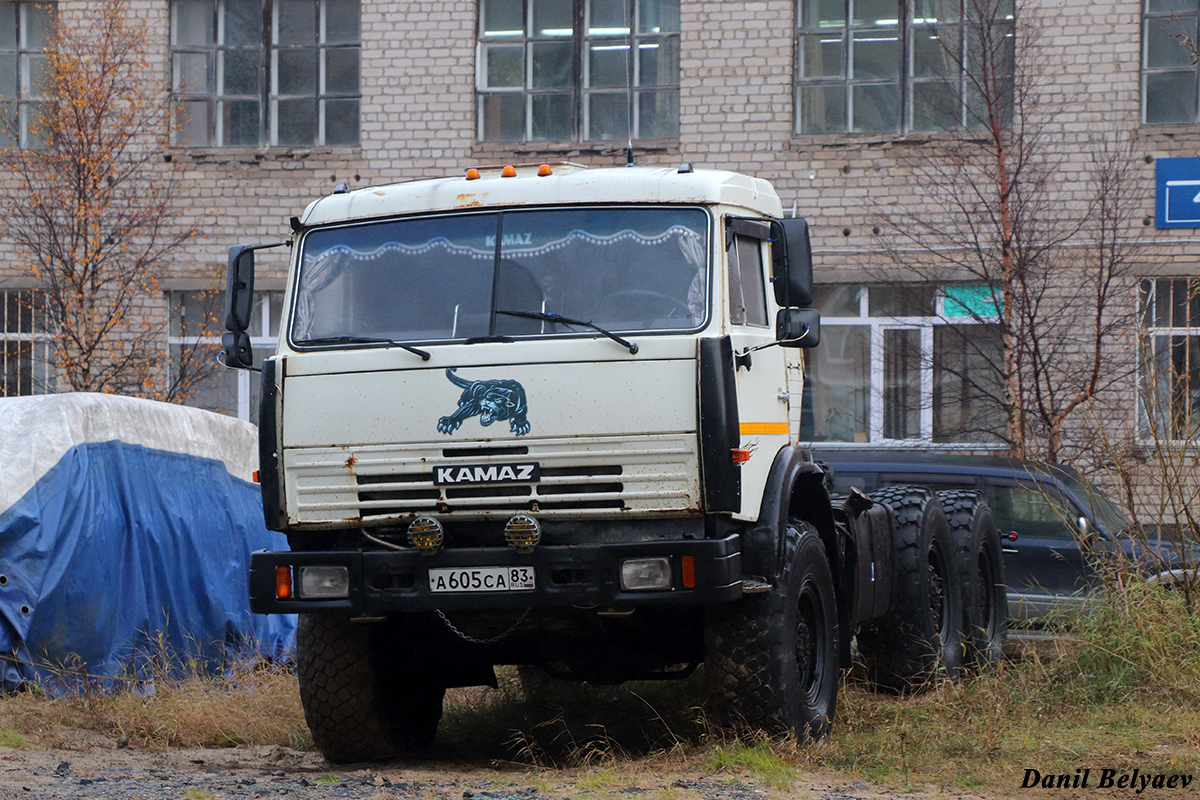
(1043, 513)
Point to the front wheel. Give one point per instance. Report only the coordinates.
(359, 705)
(772, 659)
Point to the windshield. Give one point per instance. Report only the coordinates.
(443, 278)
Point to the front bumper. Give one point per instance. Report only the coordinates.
(392, 581)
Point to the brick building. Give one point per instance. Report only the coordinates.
(284, 99)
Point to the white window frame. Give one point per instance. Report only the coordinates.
(41, 349)
(261, 340)
(1151, 332)
(877, 325)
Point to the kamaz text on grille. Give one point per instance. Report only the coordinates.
(487, 473)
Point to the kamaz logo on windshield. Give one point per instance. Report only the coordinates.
(509, 238)
(487, 473)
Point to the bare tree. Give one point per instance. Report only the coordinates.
(995, 209)
(90, 205)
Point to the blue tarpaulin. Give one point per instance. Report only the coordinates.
(126, 528)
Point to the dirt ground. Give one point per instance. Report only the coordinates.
(94, 767)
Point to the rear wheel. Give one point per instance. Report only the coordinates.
(981, 565)
(358, 705)
(772, 658)
(920, 637)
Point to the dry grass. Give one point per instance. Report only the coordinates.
(1122, 691)
(252, 705)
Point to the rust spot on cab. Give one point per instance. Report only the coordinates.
(351, 461)
(467, 201)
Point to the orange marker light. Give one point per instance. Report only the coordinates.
(473, 174)
(687, 570)
(255, 476)
(283, 583)
(544, 170)
(508, 172)
(740, 456)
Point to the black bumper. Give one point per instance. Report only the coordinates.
(389, 581)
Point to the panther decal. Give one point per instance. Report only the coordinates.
(491, 400)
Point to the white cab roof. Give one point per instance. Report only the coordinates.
(569, 184)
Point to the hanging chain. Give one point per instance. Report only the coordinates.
(474, 640)
(444, 618)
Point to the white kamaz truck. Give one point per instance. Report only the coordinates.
(548, 416)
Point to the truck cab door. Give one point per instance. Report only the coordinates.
(761, 376)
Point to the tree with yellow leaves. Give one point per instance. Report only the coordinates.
(89, 206)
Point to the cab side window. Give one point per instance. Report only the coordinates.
(747, 295)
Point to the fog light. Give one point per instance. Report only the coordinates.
(523, 532)
(645, 574)
(426, 534)
(323, 583)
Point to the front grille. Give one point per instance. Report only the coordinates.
(630, 475)
(560, 487)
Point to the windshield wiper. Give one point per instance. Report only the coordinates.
(366, 340)
(551, 317)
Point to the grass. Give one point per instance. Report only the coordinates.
(255, 704)
(767, 761)
(1122, 691)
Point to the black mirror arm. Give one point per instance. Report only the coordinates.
(221, 361)
(742, 358)
(776, 343)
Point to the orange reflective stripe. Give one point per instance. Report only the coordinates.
(751, 428)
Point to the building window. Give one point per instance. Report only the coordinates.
(26, 344)
(904, 363)
(195, 338)
(899, 65)
(24, 32)
(246, 73)
(1169, 69)
(1169, 403)
(569, 70)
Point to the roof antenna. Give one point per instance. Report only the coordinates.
(627, 10)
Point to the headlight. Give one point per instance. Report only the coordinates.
(645, 574)
(323, 583)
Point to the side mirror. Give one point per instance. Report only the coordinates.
(239, 291)
(236, 347)
(792, 269)
(239, 300)
(798, 327)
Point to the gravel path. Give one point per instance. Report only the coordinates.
(98, 770)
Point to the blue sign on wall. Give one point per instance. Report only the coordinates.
(1178, 195)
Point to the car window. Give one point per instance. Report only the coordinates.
(937, 482)
(843, 482)
(1031, 511)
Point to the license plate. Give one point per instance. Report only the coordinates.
(481, 579)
